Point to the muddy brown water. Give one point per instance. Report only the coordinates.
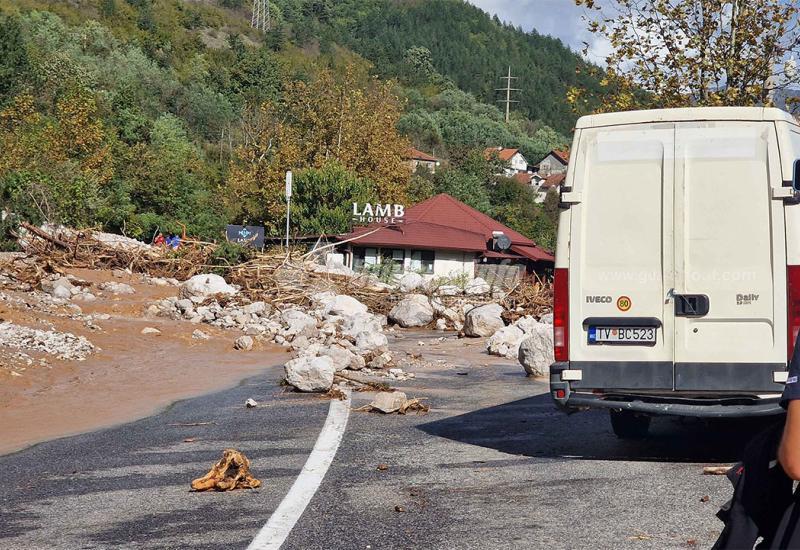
(131, 376)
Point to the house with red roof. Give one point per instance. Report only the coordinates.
(514, 161)
(555, 162)
(416, 158)
(442, 237)
(550, 184)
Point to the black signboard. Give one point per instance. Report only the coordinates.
(247, 235)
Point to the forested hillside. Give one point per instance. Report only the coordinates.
(467, 47)
(138, 115)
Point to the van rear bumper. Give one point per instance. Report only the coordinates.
(722, 406)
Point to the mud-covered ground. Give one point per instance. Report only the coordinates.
(128, 375)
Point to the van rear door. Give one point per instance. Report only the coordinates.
(621, 256)
(730, 257)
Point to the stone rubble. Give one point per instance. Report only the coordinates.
(335, 333)
(505, 341)
(64, 345)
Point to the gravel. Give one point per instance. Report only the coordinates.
(63, 345)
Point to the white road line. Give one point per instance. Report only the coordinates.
(283, 519)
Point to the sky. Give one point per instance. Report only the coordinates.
(558, 18)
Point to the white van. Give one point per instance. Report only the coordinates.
(677, 274)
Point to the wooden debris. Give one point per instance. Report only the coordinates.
(271, 276)
(231, 472)
(716, 470)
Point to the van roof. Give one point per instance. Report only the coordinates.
(684, 114)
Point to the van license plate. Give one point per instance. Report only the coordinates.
(622, 335)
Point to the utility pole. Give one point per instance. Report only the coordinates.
(508, 89)
(288, 203)
(261, 19)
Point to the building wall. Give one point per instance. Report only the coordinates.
(446, 263)
(518, 163)
(551, 165)
(450, 262)
(414, 163)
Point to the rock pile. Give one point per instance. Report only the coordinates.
(63, 345)
(335, 333)
(505, 342)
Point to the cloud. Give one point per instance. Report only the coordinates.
(558, 18)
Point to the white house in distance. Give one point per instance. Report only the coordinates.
(550, 184)
(515, 162)
(555, 162)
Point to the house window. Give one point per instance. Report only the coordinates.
(422, 261)
(363, 257)
(394, 256)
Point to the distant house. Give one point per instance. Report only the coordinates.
(525, 178)
(415, 158)
(555, 162)
(550, 183)
(514, 161)
(443, 237)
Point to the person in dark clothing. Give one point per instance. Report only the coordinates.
(789, 450)
(763, 506)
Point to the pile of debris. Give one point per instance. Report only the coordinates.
(273, 276)
(527, 339)
(335, 333)
(63, 345)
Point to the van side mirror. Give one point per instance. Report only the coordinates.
(796, 175)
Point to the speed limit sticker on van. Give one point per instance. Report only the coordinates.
(622, 335)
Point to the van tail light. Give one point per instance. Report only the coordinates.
(792, 307)
(561, 313)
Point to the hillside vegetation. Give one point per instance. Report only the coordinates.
(142, 115)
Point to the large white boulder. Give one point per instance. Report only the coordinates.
(343, 306)
(413, 311)
(484, 320)
(60, 288)
(526, 323)
(343, 358)
(356, 324)
(372, 343)
(411, 281)
(298, 323)
(536, 351)
(202, 286)
(310, 374)
(477, 286)
(505, 342)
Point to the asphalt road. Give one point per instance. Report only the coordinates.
(493, 465)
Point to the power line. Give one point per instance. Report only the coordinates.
(508, 89)
(261, 17)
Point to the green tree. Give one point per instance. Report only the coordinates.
(14, 63)
(323, 198)
(467, 188)
(694, 52)
(514, 204)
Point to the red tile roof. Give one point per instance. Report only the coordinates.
(523, 177)
(444, 223)
(502, 153)
(419, 234)
(416, 154)
(562, 155)
(553, 182)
